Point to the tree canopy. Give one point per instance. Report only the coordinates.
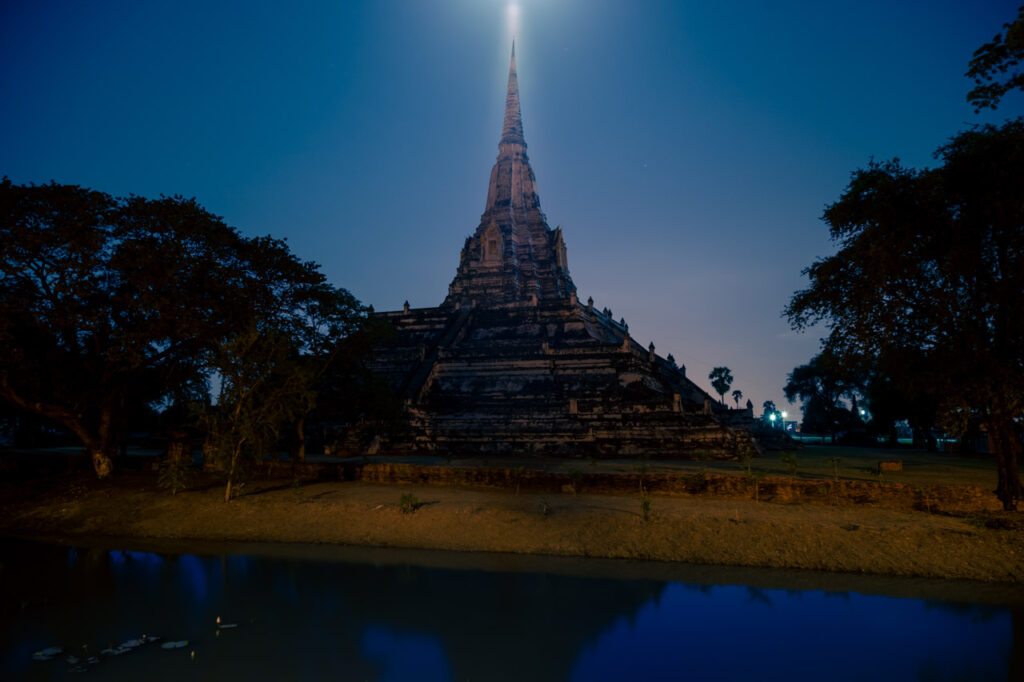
(721, 380)
(108, 302)
(822, 385)
(997, 66)
(930, 265)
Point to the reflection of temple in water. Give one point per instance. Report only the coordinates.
(378, 619)
(318, 620)
(513, 362)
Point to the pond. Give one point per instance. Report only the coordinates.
(302, 613)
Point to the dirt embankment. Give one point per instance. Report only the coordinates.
(830, 535)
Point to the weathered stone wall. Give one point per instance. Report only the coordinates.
(552, 378)
(779, 490)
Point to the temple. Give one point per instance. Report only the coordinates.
(513, 363)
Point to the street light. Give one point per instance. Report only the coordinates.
(783, 420)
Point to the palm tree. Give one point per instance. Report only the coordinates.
(721, 380)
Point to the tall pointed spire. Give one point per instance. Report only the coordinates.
(512, 181)
(512, 131)
(513, 256)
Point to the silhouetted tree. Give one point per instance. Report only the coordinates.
(352, 400)
(996, 66)
(263, 387)
(931, 264)
(822, 384)
(737, 395)
(109, 303)
(721, 380)
(901, 388)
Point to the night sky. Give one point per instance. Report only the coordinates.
(687, 149)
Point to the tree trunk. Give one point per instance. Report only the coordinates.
(96, 442)
(1006, 446)
(101, 462)
(101, 451)
(231, 470)
(300, 433)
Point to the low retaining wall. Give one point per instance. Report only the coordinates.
(932, 498)
(782, 490)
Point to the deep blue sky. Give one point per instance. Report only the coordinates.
(687, 148)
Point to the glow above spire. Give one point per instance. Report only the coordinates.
(513, 18)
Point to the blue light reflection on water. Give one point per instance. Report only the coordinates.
(406, 656)
(734, 632)
(303, 619)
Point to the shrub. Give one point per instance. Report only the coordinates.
(408, 503)
(174, 475)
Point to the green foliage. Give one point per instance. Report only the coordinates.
(408, 503)
(175, 474)
(721, 380)
(996, 66)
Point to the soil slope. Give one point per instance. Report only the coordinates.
(986, 546)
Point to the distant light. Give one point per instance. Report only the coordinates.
(862, 412)
(513, 18)
(783, 414)
(771, 417)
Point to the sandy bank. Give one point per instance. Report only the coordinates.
(734, 532)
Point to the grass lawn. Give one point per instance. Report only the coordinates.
(813, 462)
(855, 463)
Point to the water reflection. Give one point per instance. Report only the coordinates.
(739, 633)
(302, 619)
